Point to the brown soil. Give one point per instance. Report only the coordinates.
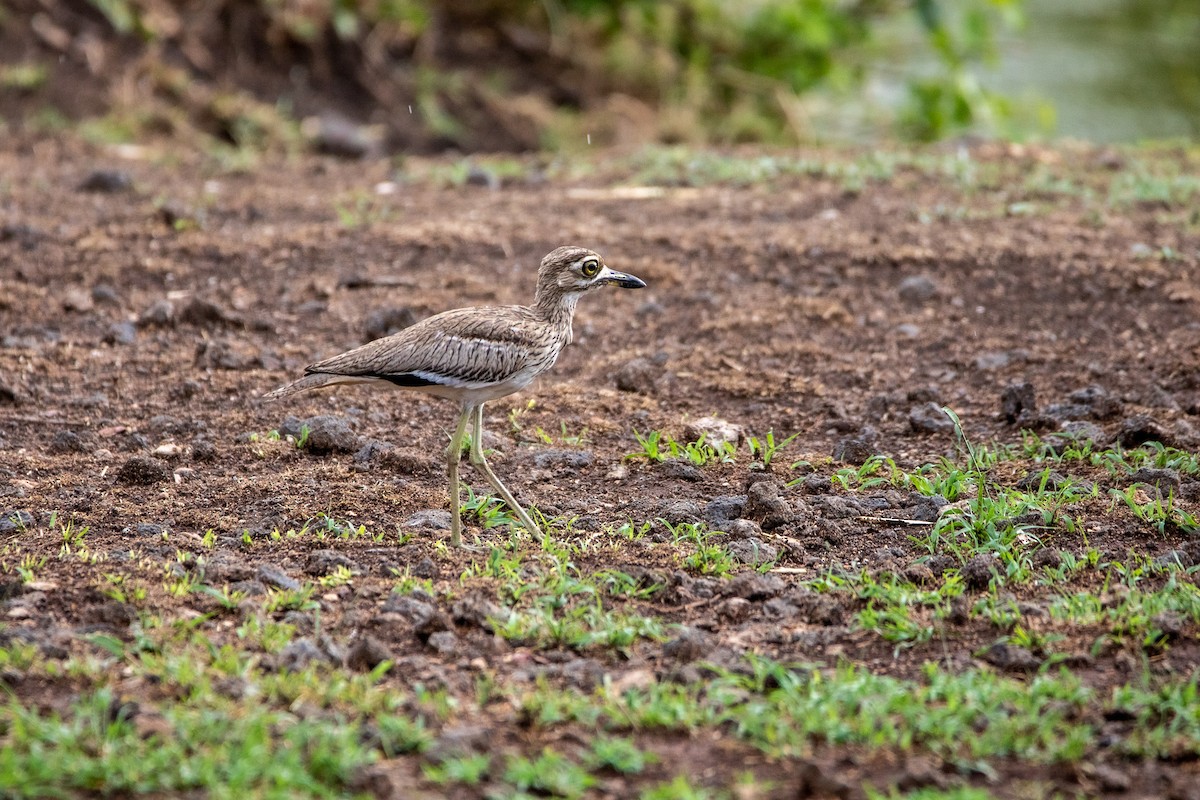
(786, 307)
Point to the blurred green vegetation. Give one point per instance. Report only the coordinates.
(519, 74)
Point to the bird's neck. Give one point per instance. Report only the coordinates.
(557, 308)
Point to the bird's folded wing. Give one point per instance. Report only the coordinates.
(455, 348)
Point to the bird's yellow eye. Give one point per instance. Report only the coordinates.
(590, 268)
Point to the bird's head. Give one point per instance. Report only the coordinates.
(575, 270)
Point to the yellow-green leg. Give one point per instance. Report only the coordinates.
(478, 460)
(453, 454)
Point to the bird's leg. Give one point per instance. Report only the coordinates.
(453, 454)
(478, 460)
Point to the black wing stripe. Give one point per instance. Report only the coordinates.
(406, 379)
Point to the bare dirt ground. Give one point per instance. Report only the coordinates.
(140, 322)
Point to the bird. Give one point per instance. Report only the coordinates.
(474, 355)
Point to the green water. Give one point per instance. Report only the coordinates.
(1114, 70)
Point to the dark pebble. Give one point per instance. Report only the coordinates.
(691, 644)
(720, 511)
(67, 442)
(917, 289)
(107, 181)
(124, 332)
(386, 321)
(1017, 400)
(678, 469)
(326, 433)
(323, 562)
(366, 653)
(857, 447)
(159, 314)
(639, 375)
(929, 418)
(978, 571)
(563, 459)
(143, 471)
(274, 576)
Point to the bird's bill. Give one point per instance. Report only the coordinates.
(622, 279)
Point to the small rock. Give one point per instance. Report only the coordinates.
(143, 471)
(817, 781)
(444, 642)
(929, 418)
(1111, 779)
(721, 511)
(1140, 429)
(335, 135)
(145, 530)
(478, 612)
(985, 362)
(691, 644)
(322, 434)
(714, 431)
(204, 314)
(1047, 558)
(856, 448)
(680, 469)
(917, 289)
(978, 571)
(562, 459)
(584, 674)
(67, 442)
(753, 586)
(1099, 401)
(323, 562)
(1166, 480)
(76, 299)
(120, 333)
(429, 518)
(106, 295)
(203, 450)
(159, 314)
(743, 529)
(1011, 658)
(482, 176)
(386, 321)
(230, 354)
(459, 741)
(274, 576)
(168, 450)
(753, 551)
(427, 567)
(639, 375)
(733, 609)
(764, 503)
(300, 653)
(1171, 623)
(1175, 558)
(680, 511)
(373, 450)
(106, 181)
(1016, 400)
(410, 608)
(366, 653)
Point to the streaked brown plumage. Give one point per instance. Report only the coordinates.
(473, 355)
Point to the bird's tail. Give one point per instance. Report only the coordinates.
(317, 380)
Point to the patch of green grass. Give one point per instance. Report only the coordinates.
(781, 710)
(617, 753)
(658, 446)
(551, 773)
(469, 769)
(578, 626)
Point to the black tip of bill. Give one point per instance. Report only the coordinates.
(626, 281)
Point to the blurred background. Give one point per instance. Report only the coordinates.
(424, 76)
